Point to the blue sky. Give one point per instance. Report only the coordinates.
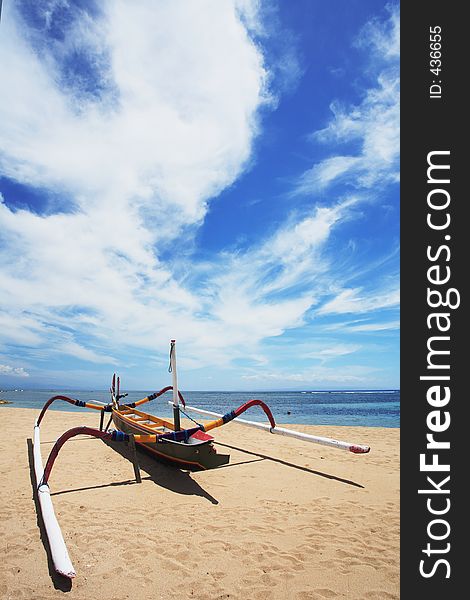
(222, 173)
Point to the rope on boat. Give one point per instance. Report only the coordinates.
(189, 416)
(172, 349)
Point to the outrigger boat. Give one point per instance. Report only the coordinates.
(191, 448)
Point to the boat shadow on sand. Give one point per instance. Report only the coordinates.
(167, 476)
(288, 464)
(163, 475)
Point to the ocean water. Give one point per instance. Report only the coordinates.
(367, 408)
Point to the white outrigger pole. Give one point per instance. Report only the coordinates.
(59, 553)
(305, 437)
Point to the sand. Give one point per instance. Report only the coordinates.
(284, 520)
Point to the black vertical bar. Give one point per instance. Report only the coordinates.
(135, 461)
(108, 423)
(101, 419)
(433, 120)
(176, 417)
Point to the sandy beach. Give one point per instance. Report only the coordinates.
(284, 520)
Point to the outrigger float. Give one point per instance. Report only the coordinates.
(167, 441)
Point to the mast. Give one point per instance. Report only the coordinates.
(172, 369)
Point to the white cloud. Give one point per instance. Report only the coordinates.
(328, 352)
(19, 329)
(293, 254)
(177, 129)
(253, 295)
(78, 351)
(13, 371)
(382, 36)
(376, 326)
(359, 301)
(354, 375)
(322, 174)
(360, 325)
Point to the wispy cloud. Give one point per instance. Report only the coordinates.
(376, 326)
(321, 376)
(355, 301)
(363, 325)
(13, 371)
(332, 351)
(373, 125)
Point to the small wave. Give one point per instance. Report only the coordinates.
(355, 392)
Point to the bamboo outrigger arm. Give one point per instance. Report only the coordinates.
(59, 554)
(95, 405)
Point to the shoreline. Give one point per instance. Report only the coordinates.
(289, 424)
(283, 520)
